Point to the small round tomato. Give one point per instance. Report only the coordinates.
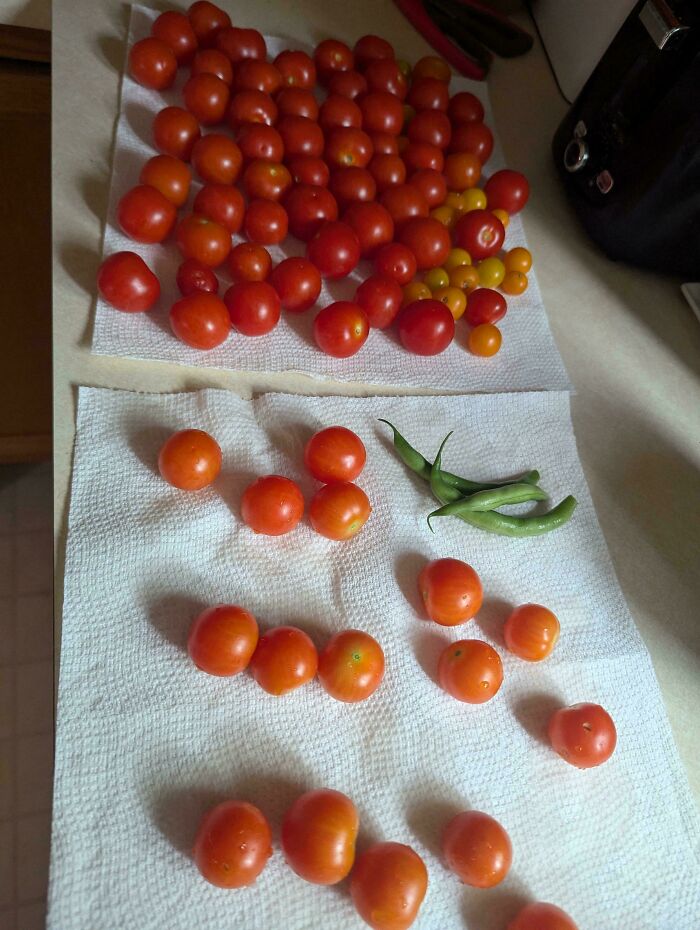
(272, 505)
(256, 74)
(175, 132)
(465, 108)
(436, 279)
(351, 666)
(396, 261)
(347, 83)
(207, 20)
(531, 632)
(426, 327)
(212, 61)
(371, 48)
(383, 143)
(462, 171)
(541, 916)
(310, 170)
(330, 57)
(387, 171)
(297, 69)
(453, 298)
(384, 75)
(416, 290)
(335, 454)
(381, 112)
(175, 29)
(152, 63)
(318, 836)
(301, 136)
(352, 185)
(201, 238)
(265, 222)
(388, 885)
(285, 659)
(456, 202)
(381, 299)
(431, 126)
(518, 259)
(484, 340)
(428, 239)
(217, 159)
(470, 670)
(233, 844)
(339, 511)
(206, 97)
(222, 203)
(476, 138)
(295, 101)
(491, 272)
(145, 215)
(346, 146)
(195, 277)
(477, 849)
(480, 233)
(372, 224)
(251, 106)
(241, 44)
(507, 190)
(334, 250)
(428, 94)
(341, 329)
(258, 141)
(473, 199)
(253, 306)
(223, 639)
(337, 111)
(451, 591)
(420, 155)
(448, 216)
(200, 320)
(514, 283)
(457, 258)
(502, 216)
(127, 283)
(485, 305)
(431, 184)
(430, 66)
(466, 277)
(404, 202)
(190, 460)
(309, 208)
(249, 262)
(266, 180)
(584, 735)
(298, 284)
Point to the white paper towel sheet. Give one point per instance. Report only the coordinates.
(528, 360)
(146, 743)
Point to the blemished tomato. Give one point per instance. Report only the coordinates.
(491, 272)
(152, 63)
(298, 284)
(337, 111)
(255, 74)
(451, 591)
(416, 290)
(266, 180)
(453, 298)
(335, 454)
(233, 844)
(222, 203)
(542, 916)
(418, 155)
(387, 171)
(251, 106)
(484, 340)
(428, 93)
(584, 735)
(396, 261)
(249, 262)
(207, 20)
(253, 306)
(403, 202)
(351, 666)
(190, 460)
(334, 250)
(309, 208)
(257, 141)
(430, 66)
(265, 222)
(347, 146)
(297, 69)
(514, 283)
(428, 239)
(330, 57)
(351, 185)
(518, 259)
(485, 305)
(341, 329)
(217, 159)
(431, 126)
(201, 238)
(310, 170)
(372, 224)
(371, 48)
(477, 849)
(241, 44)
(127, 283)
(272, 505)
(195, 277)
(381, 299)
(431, 184)
(381, 112)
(383, 74)
(465, 277)
(531, 632)
(462, 170)
(476, 138)
(470, 670)
(212, 61)
(480, 233)
(145, 215)
(384, 143)
(285, 659)
(200, 320)
(318, 836)
(301, 136)
(223, 639)
(507, 190)
(206, 97)
(426, 327)
(388, 885)
(175, 29)
(465, 108)
(175, 132)
(347, 83)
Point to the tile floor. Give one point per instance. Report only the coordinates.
(26, 693)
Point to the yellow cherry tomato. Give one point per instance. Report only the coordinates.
(456, 259)
(466, 278)
(448, 216)
(456, 201)
(474, 199)
(436, 278)
(416, 290)
(502, 216)
(518, 259)
(453, 298)
(484, 340)
(491, 272)
(514, 282)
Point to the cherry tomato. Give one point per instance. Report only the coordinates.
(284, 660)
(465, 108)
(473, 199)
(457, 258)
(337, 111)
(175, 132)
(477, 849)
(273, 506)
(514, 282)
(485, 305)
(152, 63)
(371, 48)
(346, 146)
(145, 215)
(384, 143)
(195, 277)
(396, 261)
(351, 185)
(448, 216)
(381, 299)
(484, 340)
(175, 29)
(431, 184)
(347, 83)
(253, 306)
(233, 844)
(296, 68)
(241, 44)
(341, 329)
(432, 67)
(334, 250)
(339, 511)
(531, 632)
(266, 180)
(541, 916)
(201, 238)
(426, 327)
(470, 670)
(451, 591)
(260, 142)
(518, 259)
(295, 101)
(223, 639)
(384, 75)
(502, 216)
(127, 283)
(508, 190)
(351, 666)
(200, 320)
(207, 20)
(309, 170)
(309, 208)
(206, 97)
(221, 203)
(432, 127)
(418, 155)
(265, 222)
(456, 202)
(476, 138)
(301, 136)
(330, 57)
(190, 460)
(217, 159)
(212, 61)
(387, 171)
(318, 836)
(335, 454)
(254, 74)
(404, 202)
(436, 279)
(427, 239)
(381, 112)
(388, 885)
(416, 290)
(372, 224)
(249, 262)
(584, 735)
(462, 170)
(251, 106)
(491, 272)
(453, 298)
(480, 233)
(298, 284)
(428, 94)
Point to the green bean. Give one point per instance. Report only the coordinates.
(492, 521)
(443, 492)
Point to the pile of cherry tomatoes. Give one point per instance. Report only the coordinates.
(386, 169)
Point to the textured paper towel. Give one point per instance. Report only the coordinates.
(529, 359)
(145, 743)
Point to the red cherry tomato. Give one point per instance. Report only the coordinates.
(221, 203)
(298, 284)
(318, 836)
(480, 233)
(584, 735)
(254, 74)
(334, 250)
(330, 57)
(451, 591)
(207, 21)
(428, 239)
(431, 184)
(426, 327)
(217, 159)
(384, 143)
(145, 215)
(507, 190)
(476, 138)
(175, 132)
(249, 262)
(387, 171)
(372, 224)
(175, 29)
(418, 155)
(251, 106)
(428, 94)
(380, 298)
(222, 640)
(253, 306)
(347, 83)
(301, 136)
(335, 454)
(152, 63)
(351, 185)
(296, 68)
(241, 44)
(127, 283)
(266, 180)
(433, 67)
(212, 61)
(371, 48)
(470, 670)
(541, 916)
(284, 660)
(260, 142)
(484, 305)
(403, 202)
(381, 112)
(201, 238)
(347, 146)
(396, 261)
(351, 666)
(477, 849)
(462, 170)
(339, 511)
(383, 74)
(272, 505)
(309, 170)
(341, 329)
(295, 101)
(265, 222)
(337, 111)
(233, 845)
(531, 632)
(309, 208)
(388, 885)
(206, 97)
(431, 126)
(195, 277)
(201, 320)
(190, 460)
(465, 108)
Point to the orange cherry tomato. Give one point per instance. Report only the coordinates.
(430, 66)
(351, 666)
(446, 215)
(531, 632)
(466, 277)
(453, 298)
(416, 290)
(223, 639)
(190, 460)
(541, 916)
(233, 844)
(502, 216)
(272, 505)
(169, 175)
(484, 340)
(339, 511)
(471, 671)
(518, 259)
(584, 735)
(477, 849)
(451, 591)
(335, 454)
(318, 836)
(284, 660)
(514, 283)
(388, 885)
(462, 171)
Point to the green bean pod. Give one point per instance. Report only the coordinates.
(492, 521)
(444, 492)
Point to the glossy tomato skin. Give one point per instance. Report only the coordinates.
(484, 340)
(462, 171)
(174, 28)
(584, 735)
(383, 74)
(330, 57)
(418, 155)
(470, 671)
(217, 159)
(285, 659)
(384, 143)
(541, 916)
(249, 261)
(396, 261)
(169, 175)
(266, 180)
(297, 69)
(371, 48)
(387, 171)
(431, 184)
(206, 97)
(297, 282)
(301, 136)
(531, 632)
(334, 250)
(175, 132)
(309, 208)
(507, 190)
(428, 94)
(480, 233)
(341, 329)
(450, 590)
(403, 202)
(295, 101)
(233, 845)
(465, 108)
(310, 170)
(428, 239)
(253, 306)
(335, 454)
(241, 44)
(190, 460)
(337, 111)
(348, 146)
(485, 305)
(223, 639)
(259, 141)
(201, 320)
(201, 238)
(254, 74)
(272, 505)
(476, 138)
(212, 61)
(251, 106)
(127, 283)
(388, 885)
(339, 511)
(381, 112)
(351, 666)
(347, 83)
(145, 215)
(152, 63)
(207, 20)
(265, 222)
(432, 127)
(352, 185)
(433, 67)
(477, 849)
(195, 277)
(318, 836)
(380, 298)
(372, 224)
(221, 203)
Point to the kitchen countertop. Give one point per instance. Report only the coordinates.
(629, 341)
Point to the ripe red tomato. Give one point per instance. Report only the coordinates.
(201, 238)
(253, 306)
(309, 170)
(341, 329)
(396, 261)
(298, 284)
(145, 215)
(194, 277)
(266, 180)
(272, 505)
(383, 74)
(330, 57)
(477, 849)
(403, 202)
(352, 185)
(476, 138)
(347, 146)
(484, 305)
(584, 735)
(351, 666)
(301, 136)
(432, 127)
(507, 190)
(426, 327)
(152, 63)
(371, 48)
(221, 203)
(541, 916)
(255, 74)
(217, 159)
(201, 320)
(531, 632)
(257, 141)
(212, 61)
(347, 83)
(206, 97)
(451, 591)
(470, 670)
(251, 106)
(431, 184)
(418, 155)
(318, 836)
(207, 21)
(335, 454)
(265, 222)
(249, 262)
(480, 233)
(175, 29)
(381, 112)
(296, 68)
(295, 101)
(339, 511)
(372, 224)
(175, 132)
(127, 283)
(223, 639)
(428, 94)
(233, 844)
(380, 298)
(433, 67)
(387, 171)
(462, 170)
(384, 143)
(241, 44)
(284, 660)
(190, 460)
(465, 108)
(337, 111)
(309, 208)
(388, 885)
(428, 239)
(334, 250)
